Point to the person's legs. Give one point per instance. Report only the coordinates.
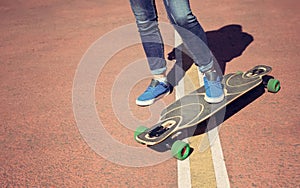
(146, 19)
(147, 23)
(194, 38)
(191, 32)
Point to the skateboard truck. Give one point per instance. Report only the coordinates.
(256, 72)
(159, 130)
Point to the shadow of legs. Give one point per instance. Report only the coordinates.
(225, 43)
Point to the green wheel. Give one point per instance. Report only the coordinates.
(139, 130)
(273, 85)
(180, 150)
(239, 72)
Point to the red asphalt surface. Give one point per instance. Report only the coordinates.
(42, 43)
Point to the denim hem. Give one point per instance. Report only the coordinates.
(205, 68)
(159, 71)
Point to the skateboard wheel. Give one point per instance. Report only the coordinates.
(273, 85)
(180, 150)
(139, 130)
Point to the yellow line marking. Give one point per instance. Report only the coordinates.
(201, 164)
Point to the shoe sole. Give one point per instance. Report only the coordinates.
(214, 100)
(151, 101)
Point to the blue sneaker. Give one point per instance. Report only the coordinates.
(155, 91)
(214, 92)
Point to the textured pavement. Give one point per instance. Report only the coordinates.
(41, 45)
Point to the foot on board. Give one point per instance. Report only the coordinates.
(214, 92)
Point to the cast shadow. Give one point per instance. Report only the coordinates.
(225, 43)
(230, 110)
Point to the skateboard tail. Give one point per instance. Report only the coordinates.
(159, 132)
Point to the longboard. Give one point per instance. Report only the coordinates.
(192, 109)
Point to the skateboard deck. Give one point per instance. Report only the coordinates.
(192, 109)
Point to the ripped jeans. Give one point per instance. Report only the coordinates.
(184, 22)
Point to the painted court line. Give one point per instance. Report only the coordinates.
(183, 167)
(221, 174)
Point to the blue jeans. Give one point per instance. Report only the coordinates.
(185, 23)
